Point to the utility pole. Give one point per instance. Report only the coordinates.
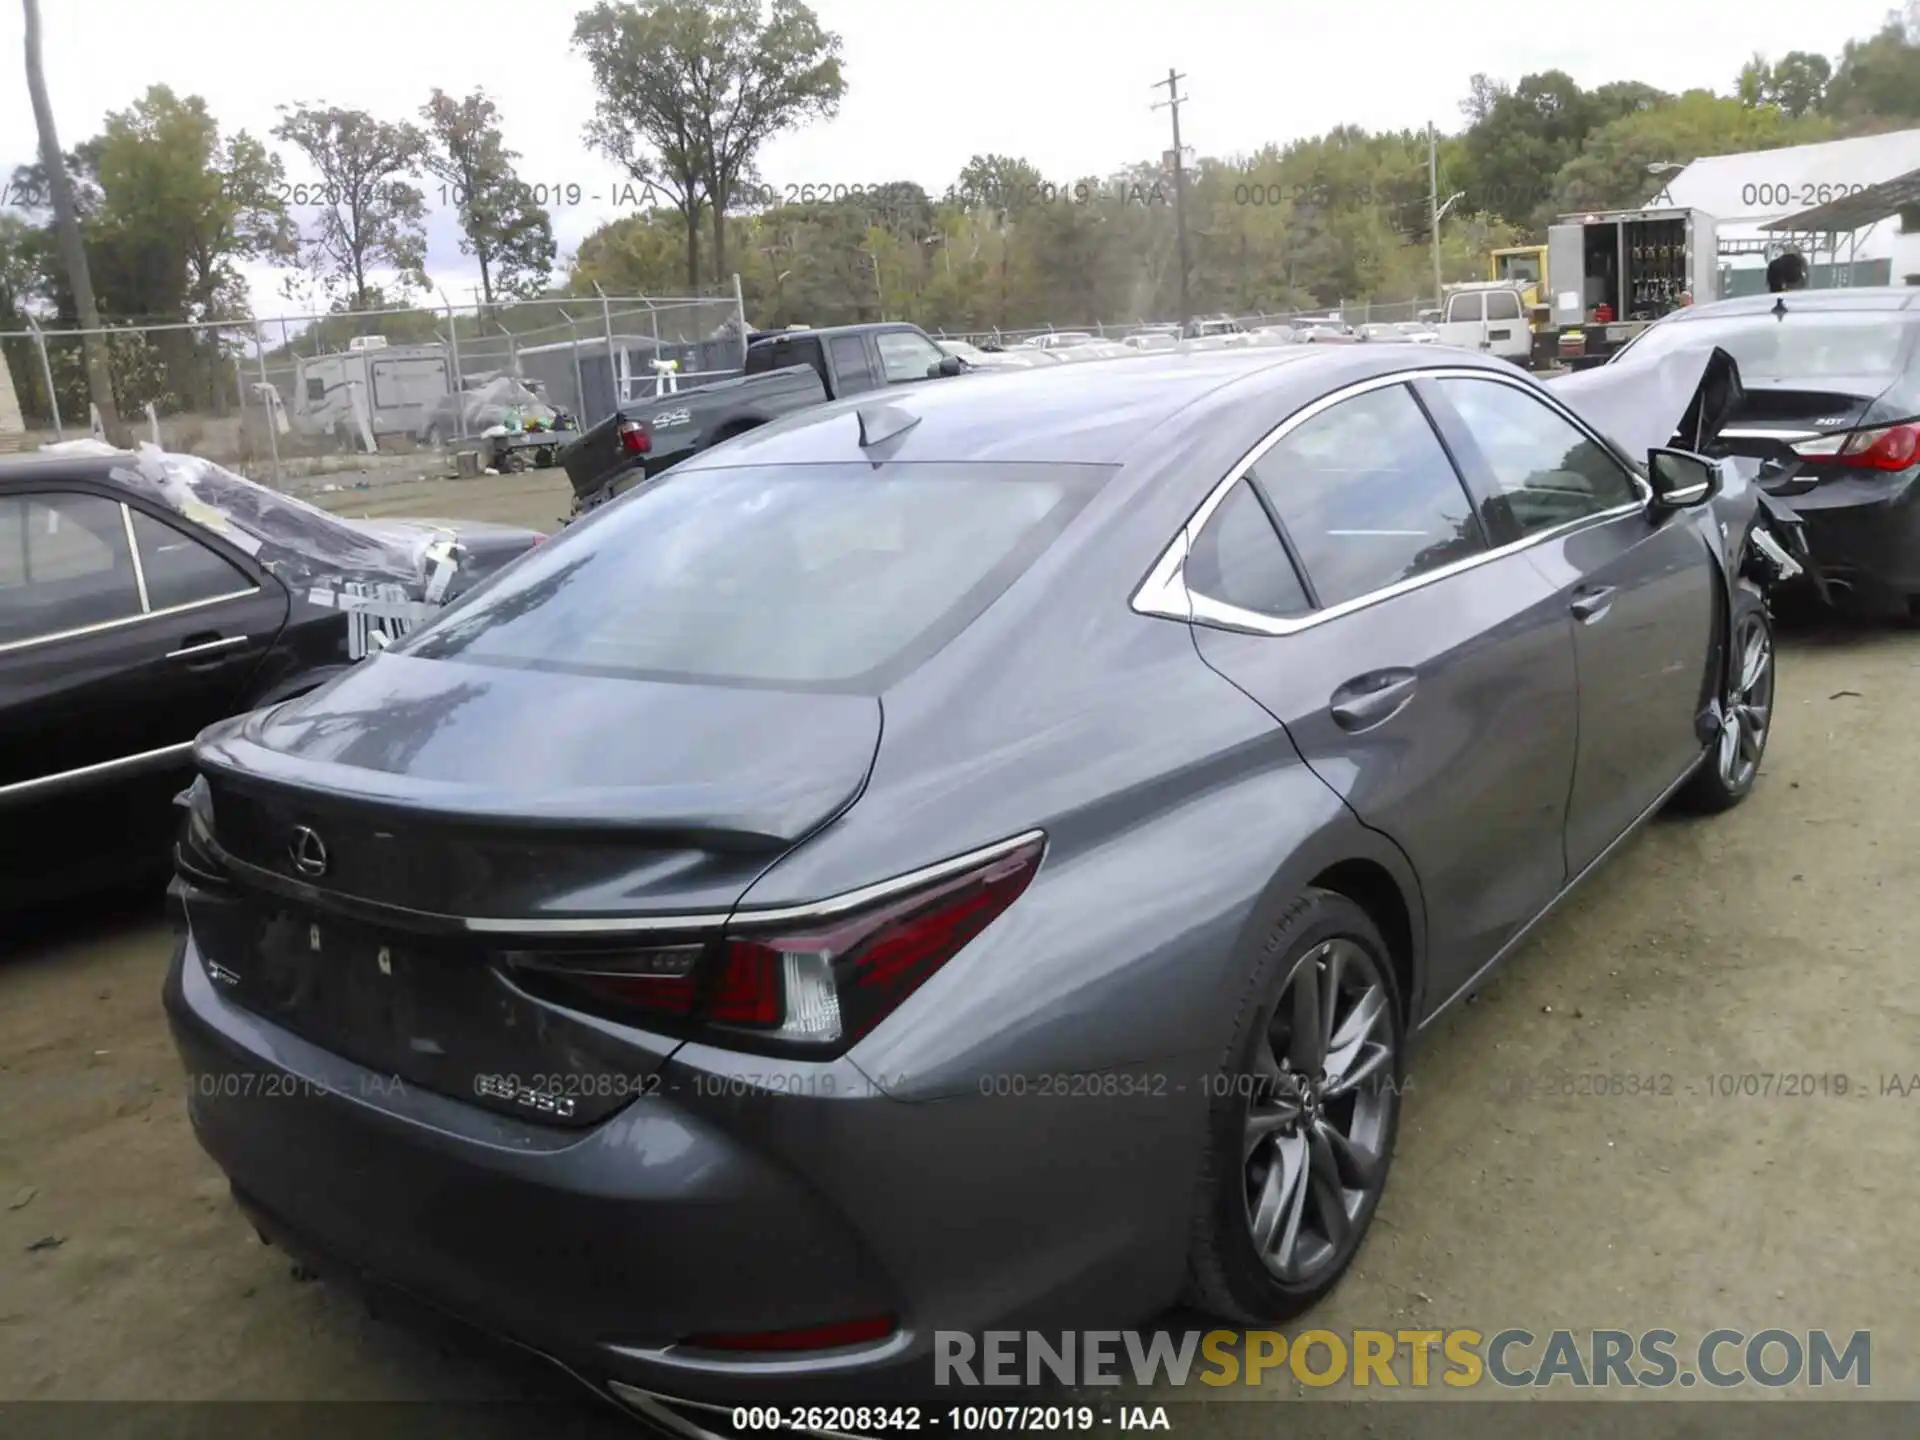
(73, 250)
(1173, 102)
(1433, 209)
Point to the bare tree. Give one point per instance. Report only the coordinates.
(67, 221)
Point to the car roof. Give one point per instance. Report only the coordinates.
(1866, 297)
(37, 467)
(1096, 412)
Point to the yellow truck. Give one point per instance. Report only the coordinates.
(1526, 267)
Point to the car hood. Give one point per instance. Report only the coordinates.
(1646, 405)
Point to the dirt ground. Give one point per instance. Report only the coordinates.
(1776, 940)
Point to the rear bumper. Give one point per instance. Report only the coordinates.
(1864, 534)
(602, 1250)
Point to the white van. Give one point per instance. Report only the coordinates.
(1488, 316)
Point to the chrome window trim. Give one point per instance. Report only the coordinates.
(613, 925)
(133, 549)
(12, 645)
(1165, 594)
(144, 760)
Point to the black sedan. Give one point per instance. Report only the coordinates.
(1827, 425)
(145, 596)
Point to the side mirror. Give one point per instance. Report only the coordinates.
(949, 365)
(1682, 479)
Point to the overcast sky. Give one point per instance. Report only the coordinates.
(1064, 83)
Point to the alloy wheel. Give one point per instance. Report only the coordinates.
(1748, 708)
(1320, 1112)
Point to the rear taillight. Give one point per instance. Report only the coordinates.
(634, 439)
(812, 985)
(1892, 447)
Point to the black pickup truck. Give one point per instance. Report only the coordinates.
(786, 370)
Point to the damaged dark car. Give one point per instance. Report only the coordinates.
(145, 595)
(1201, 724)
(1827, 425)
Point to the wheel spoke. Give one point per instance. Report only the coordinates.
(1344, 1047)
(1276, 1213)
(1373, 1059)
(1264, 1123)
(1751, 734)
(1358, 1166)
(1729, 746)
(1753, 664)
(1306, 1047)
(1329, 1194)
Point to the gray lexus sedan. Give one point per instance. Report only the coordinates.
(970, 859)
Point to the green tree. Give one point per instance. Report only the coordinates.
(369, 216)
(194, 204)
(642, 121)
(1611, 172)
(1878, 78)
(1795, 84)
(502, 226)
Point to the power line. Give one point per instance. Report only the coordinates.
(1173, 102)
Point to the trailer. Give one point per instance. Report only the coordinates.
(1614, 273)
(370, 390)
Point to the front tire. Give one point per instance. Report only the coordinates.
(1302, 1117)
(1744, 711)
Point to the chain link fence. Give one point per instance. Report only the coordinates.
(280, 395)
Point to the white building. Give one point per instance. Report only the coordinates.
(1745, 192)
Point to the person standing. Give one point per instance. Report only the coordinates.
(1787, 272)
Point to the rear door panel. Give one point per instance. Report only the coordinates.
(1443, 714)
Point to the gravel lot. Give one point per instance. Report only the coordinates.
(1776, 940)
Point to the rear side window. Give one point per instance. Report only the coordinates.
(64, 565)
(179, 570)
(850, 363)
(798, 576)
(1368, 496)
(1238, 560)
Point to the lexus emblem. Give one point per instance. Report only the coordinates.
(307, 851)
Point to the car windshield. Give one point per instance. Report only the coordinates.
(1801, 345)
(806, 576)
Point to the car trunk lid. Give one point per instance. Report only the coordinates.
(1773, 418)
(377, 889)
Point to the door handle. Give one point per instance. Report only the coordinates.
(207, 644)
(1591, 603)
(1373, 699)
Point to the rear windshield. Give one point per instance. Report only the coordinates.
(803, 576)
(1797, 346)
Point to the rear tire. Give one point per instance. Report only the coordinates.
(1744, 710)
(1302, 1117)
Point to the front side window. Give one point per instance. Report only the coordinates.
(1547, 471)
(1368, 496)
(905, 355)
(64, 565)
(805, 576)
